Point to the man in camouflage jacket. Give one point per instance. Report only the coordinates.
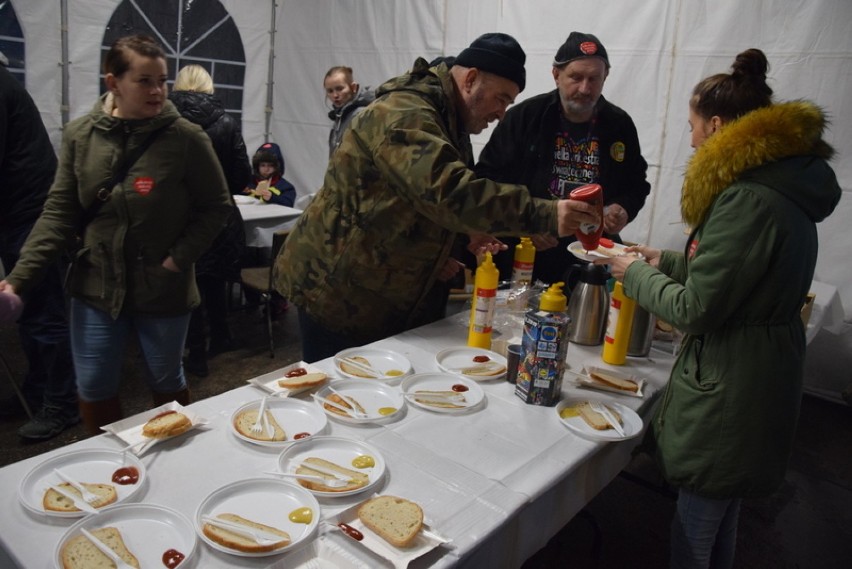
(363, 258)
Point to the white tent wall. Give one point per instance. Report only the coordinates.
(658, 49)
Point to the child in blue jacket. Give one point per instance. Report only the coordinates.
(269, 183)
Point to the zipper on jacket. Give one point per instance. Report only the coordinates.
(105, 255)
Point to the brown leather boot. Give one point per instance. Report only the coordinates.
(95, 414)
(181, 397)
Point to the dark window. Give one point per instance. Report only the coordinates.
(12, 40)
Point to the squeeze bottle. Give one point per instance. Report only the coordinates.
(589, 234)
(522, 266)
(618, 327)
(484, 300)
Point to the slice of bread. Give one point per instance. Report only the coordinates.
(396, 520)
(56, 502)
(302, 381)
(166, 424)
(240, 542)
(335, 398)
(436, 400)
(614, 381)
(485, 370)
(245, 420)
(356, 479)
(594, 419)
(352, 370)
(80, 553)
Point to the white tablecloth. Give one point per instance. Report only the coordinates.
(498, 482)
(262, 219)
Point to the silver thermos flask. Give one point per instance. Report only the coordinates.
(588, 305)
(642, 332)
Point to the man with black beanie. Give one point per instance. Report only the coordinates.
(572, 136)
(370, 255)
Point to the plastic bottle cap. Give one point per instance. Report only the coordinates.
(553, 300)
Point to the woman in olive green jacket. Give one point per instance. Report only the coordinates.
(134, 271)
(753, 192)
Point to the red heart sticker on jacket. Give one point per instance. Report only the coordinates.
(143, 186)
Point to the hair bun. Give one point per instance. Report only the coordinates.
(751, 65)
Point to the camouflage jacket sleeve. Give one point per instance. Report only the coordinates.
(420, 162)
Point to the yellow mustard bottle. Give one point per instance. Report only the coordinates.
(618, 326)
(523, 263)
(484, 300)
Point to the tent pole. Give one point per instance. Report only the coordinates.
(65, 105)
(270, 82)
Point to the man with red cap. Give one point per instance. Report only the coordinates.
(572, 136)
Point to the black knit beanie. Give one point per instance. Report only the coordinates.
(496, 53)
(580, 45)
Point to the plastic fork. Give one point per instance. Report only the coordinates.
(323, 400)
(260, 426)
(257, 535)
(331, 483)
(607, 415)
(355, 411)
(87, 494)
(106, 550)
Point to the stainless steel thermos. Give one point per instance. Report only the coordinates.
(588, 305)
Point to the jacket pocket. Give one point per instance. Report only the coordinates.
(86, 277)
(157, 290)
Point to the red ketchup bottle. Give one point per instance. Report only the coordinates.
(589, 234)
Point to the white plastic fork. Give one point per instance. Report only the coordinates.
(331, 483)
(87, 494)
(260, 426)
(257, 535)
(360, 367)
(604, 411)
(106, 550)
(355, 411)
(324, 401)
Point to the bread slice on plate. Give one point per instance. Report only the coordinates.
(594, 419)
(357, 372)
(440, 399)
(80, 553)
(356, 479)
(396, 520)
(166, 424)
(56, 502)
(244, 543)
(614, 381)
(345, 403)
(303, 381)
(245, 420)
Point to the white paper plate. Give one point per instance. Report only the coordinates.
(148, 530)
(474, 395)
(92, 466)
(453, 360)
(269, 381)
(372, 395)
(246, 200)
(265, 501)
(382, 361)
(576, 249)
(129, 429)
(338, 450)
(631, 422)
(426, 541)
(294, 416)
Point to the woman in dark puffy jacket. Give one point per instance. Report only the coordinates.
(194, 99)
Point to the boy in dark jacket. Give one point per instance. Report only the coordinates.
(269, 183)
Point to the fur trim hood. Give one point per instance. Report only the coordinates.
(763, 136)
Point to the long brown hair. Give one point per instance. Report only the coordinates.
(730, 96)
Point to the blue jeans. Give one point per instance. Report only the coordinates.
(704, 532)
(43, 330)
(98, 344)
